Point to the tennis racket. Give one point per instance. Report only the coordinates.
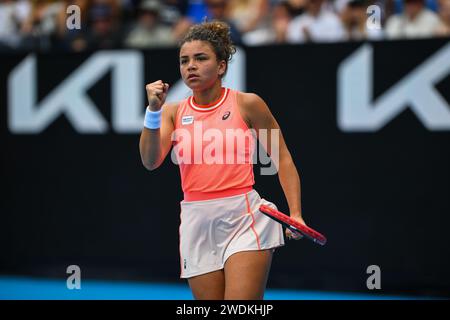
(293, 225)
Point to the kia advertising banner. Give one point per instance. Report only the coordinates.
(367, 124)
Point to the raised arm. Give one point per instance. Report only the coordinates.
(155, 144)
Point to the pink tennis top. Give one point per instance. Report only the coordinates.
(214, 148)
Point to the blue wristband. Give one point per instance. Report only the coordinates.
(152, 119)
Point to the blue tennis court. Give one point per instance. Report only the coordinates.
(27, 288)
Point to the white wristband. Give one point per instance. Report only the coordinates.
(152, 119)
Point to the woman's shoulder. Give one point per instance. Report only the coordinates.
(171, 109)
(251, 107)
(171, 106)
(248, 100)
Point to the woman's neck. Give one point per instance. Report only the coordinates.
(207, 96)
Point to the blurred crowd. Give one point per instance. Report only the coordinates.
(106, 24)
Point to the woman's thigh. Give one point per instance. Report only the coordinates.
(209, 286)
(246, 274)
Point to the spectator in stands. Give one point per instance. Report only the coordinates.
(149, 31)
(12, 16)
(275, 32)
(84, 6)
(398, 5)
(173, 11)
(115, 8)
(196, 11)
(340, 5)
(103, 31)
(444, 13)
(40, 27)
(282, 15)
(68, 37)
(415, 22)
(296, 7)
(128, 10)
(354, 19)
(318, 24)
(248, 15)
(216, 10)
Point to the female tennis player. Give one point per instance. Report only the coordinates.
(226, 243)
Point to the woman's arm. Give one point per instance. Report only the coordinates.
(258, 115)
(154, 144)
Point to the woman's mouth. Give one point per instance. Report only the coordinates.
(193, 76)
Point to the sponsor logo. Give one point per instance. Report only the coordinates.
(187, 120)
(70, 98)
(417, 91)
(226, 115)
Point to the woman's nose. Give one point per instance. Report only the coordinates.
(192, 66)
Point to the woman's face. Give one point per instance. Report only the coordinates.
(199, 67)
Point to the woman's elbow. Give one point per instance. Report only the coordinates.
(286, 162)
(150, 166)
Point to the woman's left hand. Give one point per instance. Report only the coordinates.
(294, 235)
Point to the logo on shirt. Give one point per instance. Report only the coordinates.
(226, 115)
(187, 120)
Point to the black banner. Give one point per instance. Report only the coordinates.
(375, 176)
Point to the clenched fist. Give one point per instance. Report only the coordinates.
(156, 94)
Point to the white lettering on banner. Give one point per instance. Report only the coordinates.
(356, 112)
(70, 98)
(26, 115)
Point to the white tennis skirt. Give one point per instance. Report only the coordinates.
(212, 230)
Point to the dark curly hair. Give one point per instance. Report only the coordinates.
(217, 34)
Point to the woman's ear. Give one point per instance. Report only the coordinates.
(222, 67)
